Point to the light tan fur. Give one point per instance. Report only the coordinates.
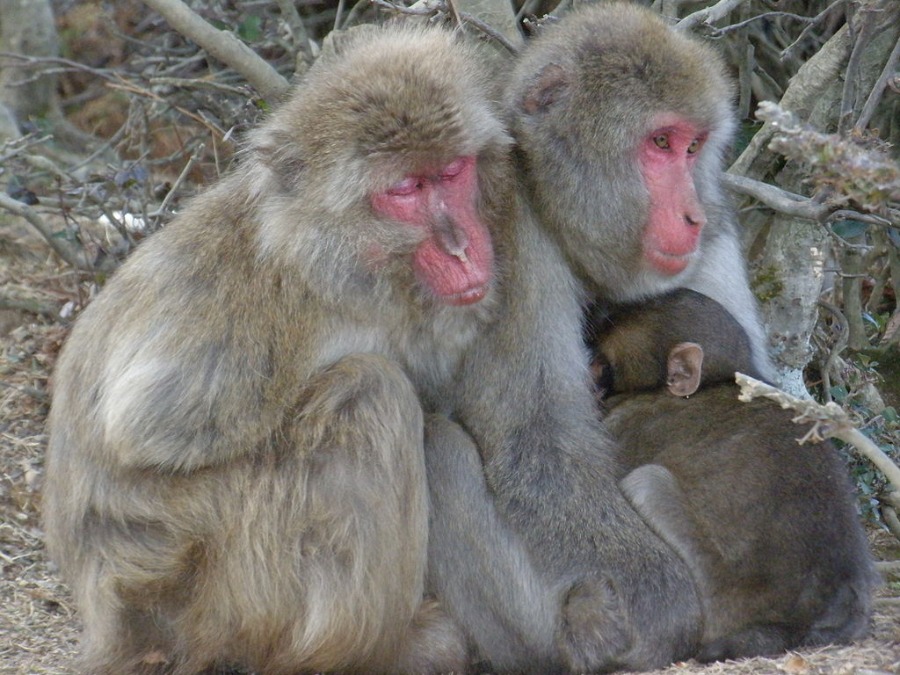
(235, 471)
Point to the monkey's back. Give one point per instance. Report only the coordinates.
(777, 519)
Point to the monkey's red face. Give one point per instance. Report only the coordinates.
(667, 156)
(456, 260)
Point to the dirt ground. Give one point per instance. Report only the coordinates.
(38, 622)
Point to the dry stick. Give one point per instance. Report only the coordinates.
(851, 72)
(132, 88)
(806, 30)
(708, 15)
(30, 306)
(829, 421)
(805, 86)
(889, 516)
(880, 85)
(69, 253)
(295, 23)
(465, 17)
(799, 206)
(839, 346)
(730, 28)
(492, 17)
(224, 46)
(889, 568)
(184, 172)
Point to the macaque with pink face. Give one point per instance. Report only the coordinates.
(624, 124)
(235, 471)
(621, 127)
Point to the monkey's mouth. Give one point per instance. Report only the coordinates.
(467, 297)
(669, 264)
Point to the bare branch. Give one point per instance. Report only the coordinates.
(788, 51)
(489, 31)
(298, 30)
(776, 198)
(708, 15)
(71, 254)
(829, 421)
(224, 46)
(496, 16)
(806, 87)
(875, 95)
(433, 7)
(888, 568)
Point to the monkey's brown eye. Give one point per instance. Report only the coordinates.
(661, 141)
(694, 146)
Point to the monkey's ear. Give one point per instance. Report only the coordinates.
(549, 86)
(685, 367)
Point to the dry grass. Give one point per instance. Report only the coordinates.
(39, 625)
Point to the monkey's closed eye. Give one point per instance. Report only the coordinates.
(407, 186)
(454, 168)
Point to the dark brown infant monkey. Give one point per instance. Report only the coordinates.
(768, 526)
(235, 471)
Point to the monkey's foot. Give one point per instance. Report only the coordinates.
(595, 634)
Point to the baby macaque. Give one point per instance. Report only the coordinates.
(768, 526)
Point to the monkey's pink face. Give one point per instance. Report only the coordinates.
(456, 260)
(666, 157)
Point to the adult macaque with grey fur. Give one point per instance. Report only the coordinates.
(235, 470)
(770, 527)
(621, 126)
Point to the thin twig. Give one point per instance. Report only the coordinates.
(70, 253)
(786, 52)
(134, 88)
(224, 46)
(792, 204)
(730, 28)
(829, 421)
(69, 65)
(36, 394)
(839, 346)
(184, 172)
(489, 31)
(890, 68)
(708, 15)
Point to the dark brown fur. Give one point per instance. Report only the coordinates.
(769, 525)
(235, 470)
